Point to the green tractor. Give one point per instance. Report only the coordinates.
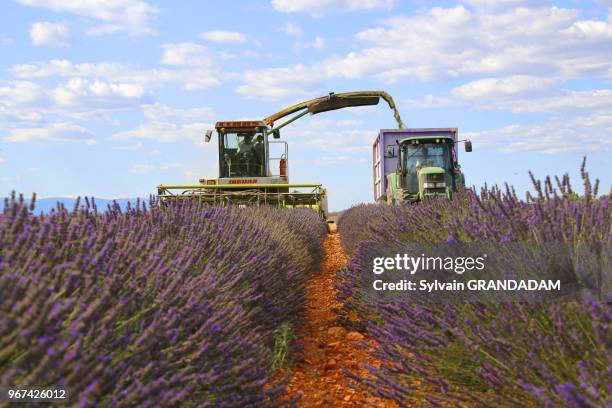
(411, 165)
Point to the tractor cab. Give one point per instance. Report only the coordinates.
(427, 166)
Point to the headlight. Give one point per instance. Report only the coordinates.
(442, 184)
(429, 185)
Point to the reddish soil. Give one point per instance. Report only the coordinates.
(328, 348)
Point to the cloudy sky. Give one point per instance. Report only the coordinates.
(111, 97)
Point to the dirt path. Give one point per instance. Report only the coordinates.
(328, 348)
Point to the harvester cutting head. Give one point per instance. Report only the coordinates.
(253, 171)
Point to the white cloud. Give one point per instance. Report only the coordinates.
(57, 67)
(23, 93)
(191, 78)
(224, 37)
(197, 70)
(24, 103)
(197, 73)
(567, 100)
(80, 92)
(185, 54)
(519, 94)
(490, 88)
(449, 43)
(167, 125)
(504, 4)
(278, 83)
(318, 44)
(45, 33)
(432, 101)
(578, 135)
(292, 30)
(345, 141)
(166, 114)
(55, 133)
(319, 7)
(2, 160)
(165, 132)
(564, 100)
(131, 16)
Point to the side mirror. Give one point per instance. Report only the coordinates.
(207, 135)
(276, 134)
(468, 146)
(390, 151)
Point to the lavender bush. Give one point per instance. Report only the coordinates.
(151, 307)
(507, 354)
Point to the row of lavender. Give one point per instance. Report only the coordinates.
(506, 354)
(152, 306)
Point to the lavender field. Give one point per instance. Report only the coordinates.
(493, 354)
(188, 305)
(177, 306)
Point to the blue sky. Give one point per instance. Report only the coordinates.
(111, 98)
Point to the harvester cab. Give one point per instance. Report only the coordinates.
(251, 172)
(254, 163)
(244, 154)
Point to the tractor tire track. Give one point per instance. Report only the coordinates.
(319, 379)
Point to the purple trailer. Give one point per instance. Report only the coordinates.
(385, 152)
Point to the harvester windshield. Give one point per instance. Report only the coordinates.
(242, 154)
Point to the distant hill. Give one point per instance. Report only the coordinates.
(44, 205)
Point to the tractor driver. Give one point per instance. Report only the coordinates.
(252, 155)
(245, 147)
(244, 153)
(260, 155)
(420, 158)
(425, 159)
(259, 149)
